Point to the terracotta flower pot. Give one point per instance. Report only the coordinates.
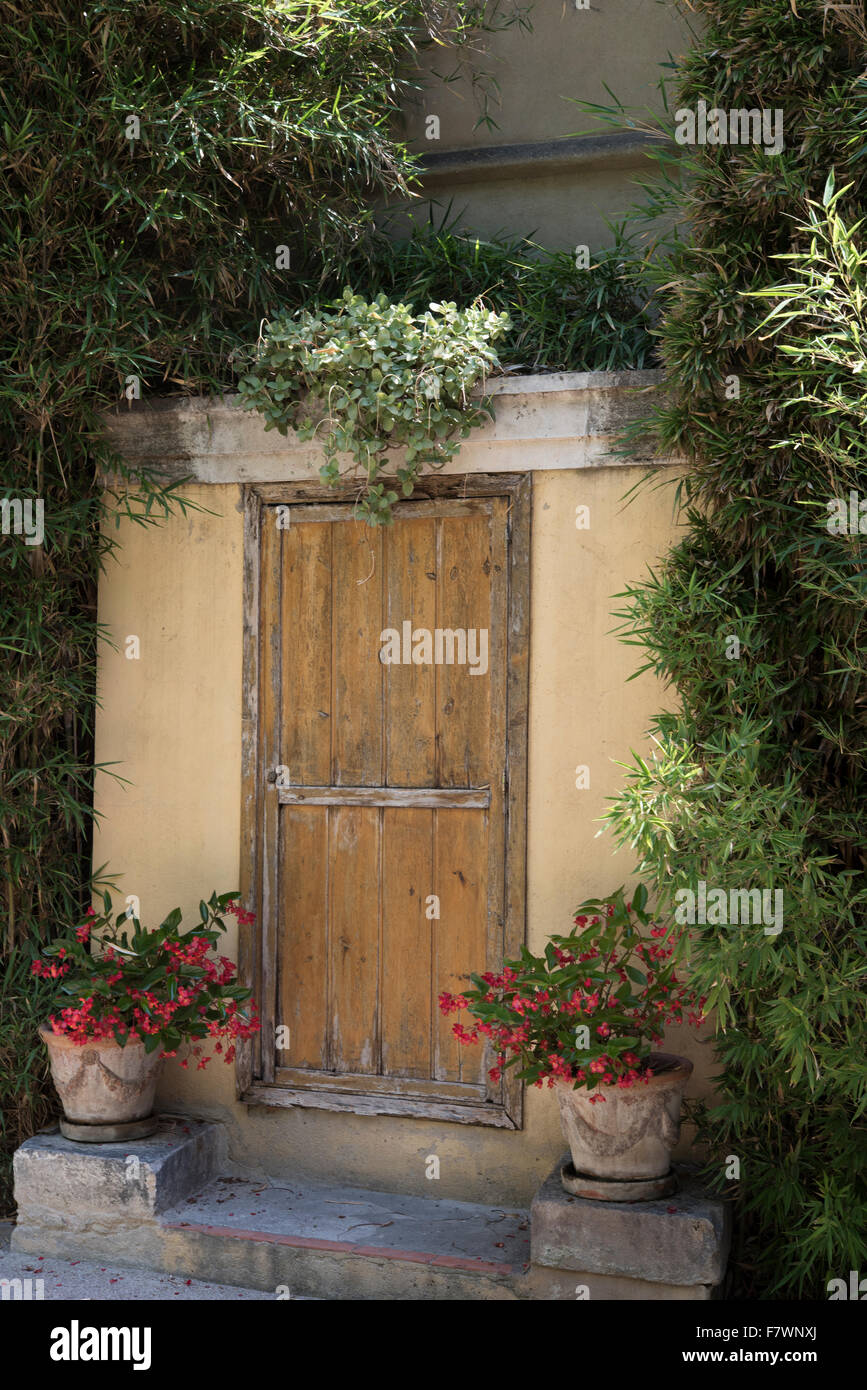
(100, 1082)
(629, 1137)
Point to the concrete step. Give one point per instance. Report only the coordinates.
(35, 1278)
(331, 1242)
(158, 1204)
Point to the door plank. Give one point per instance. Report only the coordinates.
(405, 1086)
(460, 933)
(433, 797)
(407, 881)
(357, 749)
(249, 1052)
(302, 986)
(306, 631)
(374, 1103)
(498, 665)
(348, 511)
(463, 699)
(270, 577)
(411, 596)
(353, 854)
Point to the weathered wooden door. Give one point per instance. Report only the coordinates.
(384, 758)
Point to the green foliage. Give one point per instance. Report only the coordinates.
(590, 1007)
(760, 772)
(28, 1099)
(367, 378)
(561, 318)
(543, 312)
(120, 981)
(148, 251)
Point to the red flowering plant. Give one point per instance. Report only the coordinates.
(591, 1009)
(115, 980)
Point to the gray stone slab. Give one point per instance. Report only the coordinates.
(308, 1271)
(34, 1277)
(541, 421)
(678, 1240)
(57, 1179)
(358, 1217)
(570, 1286)
(292, 1239)
(337, 1242)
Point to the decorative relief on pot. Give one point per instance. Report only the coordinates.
(631, 1133)
(125, 1091)
(632, 1125)
(103, 1083)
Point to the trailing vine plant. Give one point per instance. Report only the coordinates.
(370, 378)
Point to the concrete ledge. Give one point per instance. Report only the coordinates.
(561, 420)
(328, 1270)
(678, 1241)
(540, 158)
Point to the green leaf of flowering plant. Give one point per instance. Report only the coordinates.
(573, 1013)
(161, 987)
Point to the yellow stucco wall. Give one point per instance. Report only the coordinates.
(170, 723)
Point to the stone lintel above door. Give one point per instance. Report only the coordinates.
(555, 421)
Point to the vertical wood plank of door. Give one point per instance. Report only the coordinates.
(407, 881)
(270, 576)
(463, 699)
(354, 937)
(249, 1054)
(302, 984)
(306, 633)
(411, 595)
(460, 933)
(357, 672)
(497, 814)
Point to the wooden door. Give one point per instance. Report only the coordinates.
(383, 767)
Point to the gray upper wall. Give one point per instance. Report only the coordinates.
(547, 170)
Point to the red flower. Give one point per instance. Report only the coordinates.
(451, 1003)
(244, 918)
(463, 1036)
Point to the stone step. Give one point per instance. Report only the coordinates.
(80, 1201)
(41, 1278)
(333, 1242)
(158, 1204)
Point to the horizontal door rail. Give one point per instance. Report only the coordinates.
(458, 798)
(320, 512)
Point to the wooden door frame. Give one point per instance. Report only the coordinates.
(257, 948)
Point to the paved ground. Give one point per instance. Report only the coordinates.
(93, 1282)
